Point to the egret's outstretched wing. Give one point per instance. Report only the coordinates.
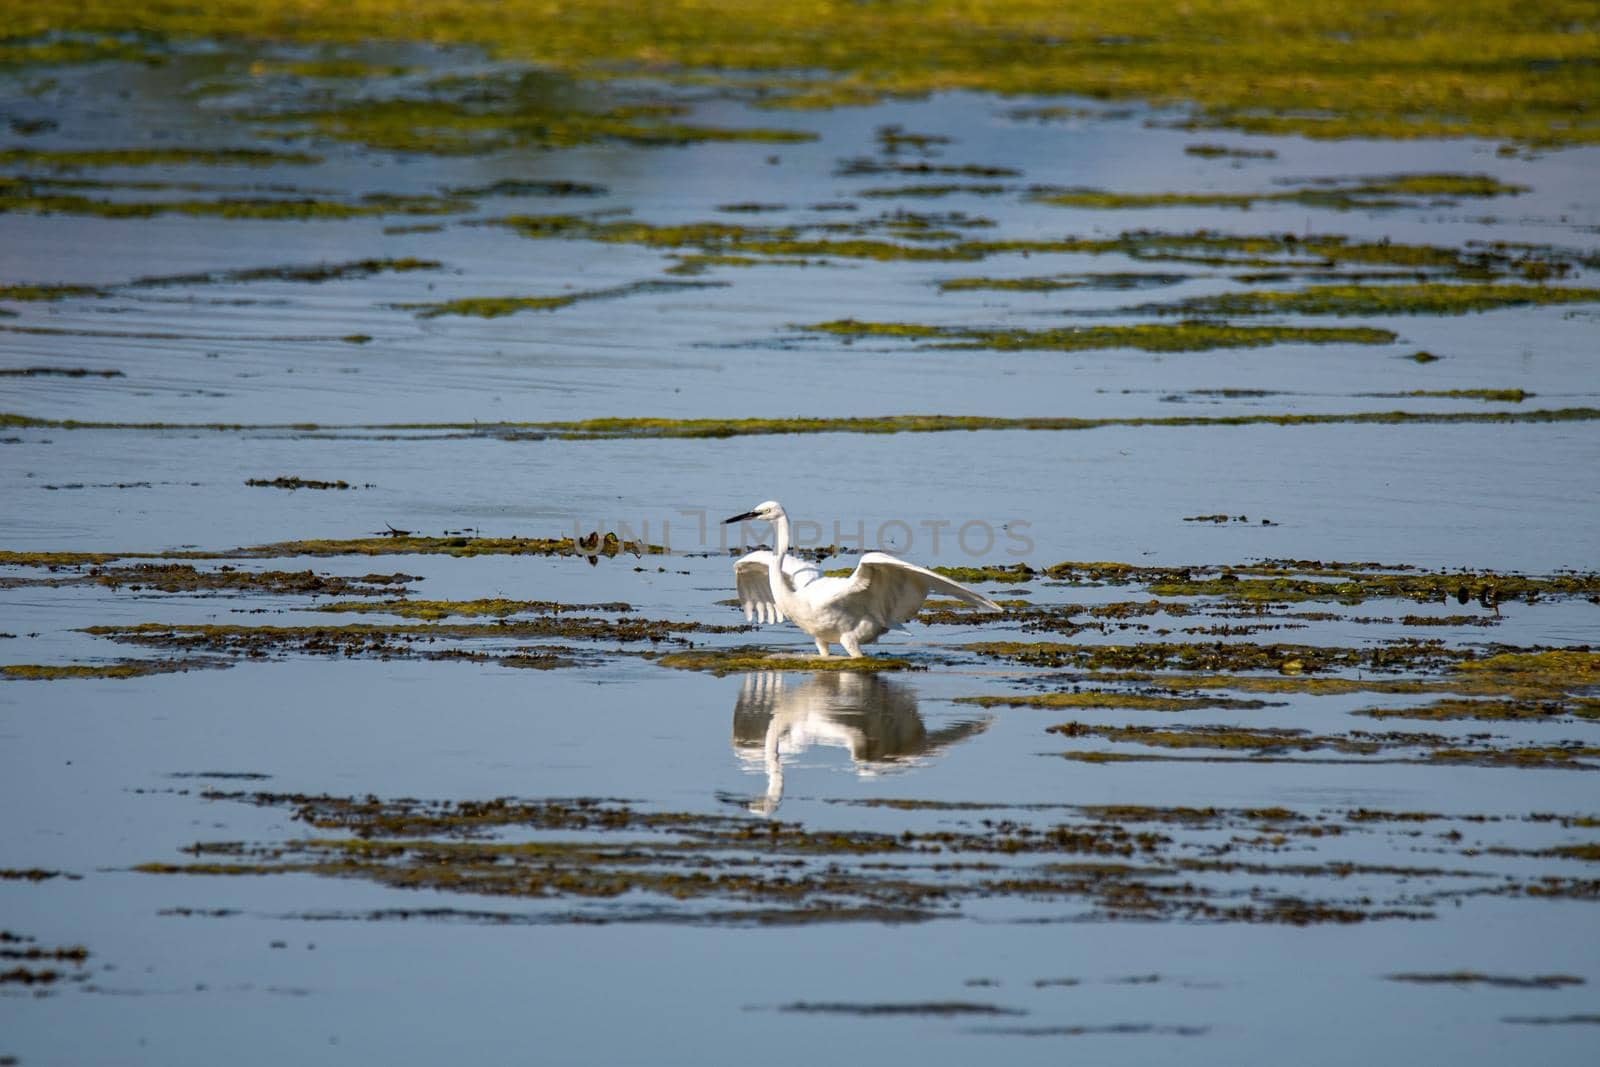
(753, 579)
(891, 591)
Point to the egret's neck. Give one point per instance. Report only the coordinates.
(781, 582)
(781, 526)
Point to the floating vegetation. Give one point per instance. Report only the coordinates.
(1056, 282)
(1267, 742)
(939, 1009)
(186, 578)
(524, 187)
(47, 293)
(490, 307)
(721, 661)
(400, 640)
(1494, 710)
(650, 428)
(1092, 1030)
(339, 68)
(1190, 336)
(875, 166)
(498, 112)
(1008, 573)
(42, 47)
(1341, 194)
(442, 609)
(314, 272)
(26, 195)
(1222, 151)
(1110, 699)
(587, 860)
(155, 157)
(1479, 73)
(1223, 656)
(291, 483)
(897, 192)
(1261, 739)
(57, 372)
(1498, 396)
(1353, 586)
(865, 239)
(1428, 299)
(132, 668)
(394, 544)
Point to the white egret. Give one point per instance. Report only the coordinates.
(884, 593)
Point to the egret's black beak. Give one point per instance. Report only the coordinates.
(739, 518)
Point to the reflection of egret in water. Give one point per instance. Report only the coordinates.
(875, 719)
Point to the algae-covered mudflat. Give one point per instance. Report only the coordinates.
(374, 379)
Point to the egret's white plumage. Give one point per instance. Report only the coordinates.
(883, 593)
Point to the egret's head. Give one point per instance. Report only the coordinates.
(766, 512)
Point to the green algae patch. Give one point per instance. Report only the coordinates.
(408, 545)
(397, 641)
(1424, 299)
(495, 113)
(43, 47)
(29, 196)
(1222, 656)
(1495, 396)
(310, 273)
(1009, 573)
(1579, 665)
(1272, 741)
(1216, 737)
(1349, 586)
(397, 543)
(442, 609)
(1116, 280)
(185, 578)
(908, 237)
(41, 672)
(1534, 689)
(155, 157)
(492, 307)
(1109, 699)
(1493, 710)
(646, 428)
(1393, 191)
(1189, 336)
(1572, 756)
(260, 209)
(48, 293)
(1429, 68)
(588, 860)
(721, 661)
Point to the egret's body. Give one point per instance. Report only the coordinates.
(883, 593)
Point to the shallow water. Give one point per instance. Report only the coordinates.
(1354, 864)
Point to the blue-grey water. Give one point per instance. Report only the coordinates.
(101, 776)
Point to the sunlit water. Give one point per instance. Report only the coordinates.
(100, 776)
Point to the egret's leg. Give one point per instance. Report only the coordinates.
(822, 646)
(851, 645)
